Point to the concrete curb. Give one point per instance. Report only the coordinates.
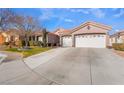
(3, 56)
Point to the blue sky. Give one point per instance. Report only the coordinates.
(68, 18)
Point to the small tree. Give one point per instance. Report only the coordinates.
(6, 19)
(44, 37)
(26, 25)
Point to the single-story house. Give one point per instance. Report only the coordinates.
(2, 38)
(11, 35)
(89, 34)
(117, 37)
(14, 36)
(51, 38)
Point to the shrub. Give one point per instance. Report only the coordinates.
(118, 46)
(23, 43)
(6, 43)
(35, 43)
(20, 43)
(31, 43)
(40, 43)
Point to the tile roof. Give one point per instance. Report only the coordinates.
(121, 32)
(62, 32)
(37, 33)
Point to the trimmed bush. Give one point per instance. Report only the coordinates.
(40, 43)
(6, 43)
(31, 43)
(118, 46)
(23, 43)
(35, 43)
(20, 43)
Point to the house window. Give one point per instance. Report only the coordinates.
(99, 35)
(94, 35)
(90, 36)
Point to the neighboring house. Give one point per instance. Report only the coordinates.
(2, 38)
(11, 35)
(14, 36)
(117, 37)
(52, 39)
(89, 34)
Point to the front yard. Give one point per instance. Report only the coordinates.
(29, 52)
(118, 48)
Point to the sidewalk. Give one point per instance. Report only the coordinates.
(17, 73)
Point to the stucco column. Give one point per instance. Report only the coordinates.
(35, 38)
(32, 38)
(60, 40)
(107, 40)
(73, 41)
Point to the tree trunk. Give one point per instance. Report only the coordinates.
(44, 38)
(26, 42)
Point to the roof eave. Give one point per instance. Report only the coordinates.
(93, 24)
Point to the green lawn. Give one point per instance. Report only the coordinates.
(32, 51)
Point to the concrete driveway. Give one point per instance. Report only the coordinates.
(67, 66)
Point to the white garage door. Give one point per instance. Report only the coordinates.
(93, 41)
(67, 41)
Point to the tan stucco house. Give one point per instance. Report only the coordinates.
(11, 35)
(14, 36)
(51, 38)
(89, 34)
(117, 37)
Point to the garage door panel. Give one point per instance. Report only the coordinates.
(98, 41)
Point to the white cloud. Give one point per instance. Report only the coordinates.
(94, 11)
(117, 30)
(49, 13)
(68, 20)
(97, 12)
(84, 11)
(121, 13)
(46, 14)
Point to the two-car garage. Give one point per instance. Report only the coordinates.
(91, 41)
(89, 34)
